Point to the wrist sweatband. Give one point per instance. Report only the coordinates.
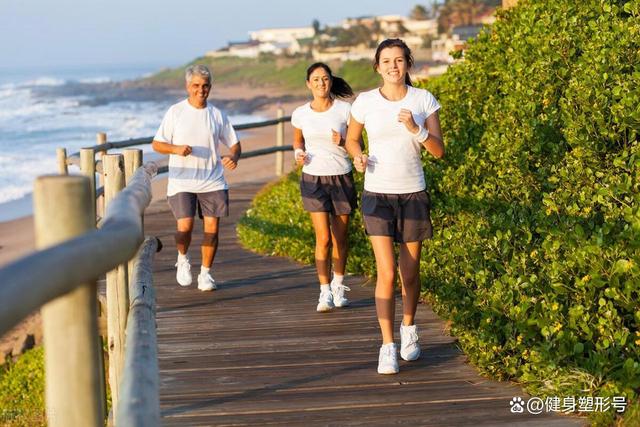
(422, 135)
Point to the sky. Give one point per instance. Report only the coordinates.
(71, 33)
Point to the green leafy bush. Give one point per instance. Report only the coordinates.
(537, 203)
(22, 390)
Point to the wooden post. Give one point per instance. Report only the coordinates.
(117, 286)
(88, 169)
(132, 161)
(101, 138)
(280, 143)
(62, 210)
(61, 154)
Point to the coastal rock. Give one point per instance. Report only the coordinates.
(22, 344)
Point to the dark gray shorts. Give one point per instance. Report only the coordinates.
(405, 217)
(335, 194)
(212, 204)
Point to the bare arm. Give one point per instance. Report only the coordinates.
(231, 161)
(354, 145)
(166, 148)
(434, 143)
(298, 146)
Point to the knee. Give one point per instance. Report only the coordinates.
(323, 242)
(386, 277)
(210, 239)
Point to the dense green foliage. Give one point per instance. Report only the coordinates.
(282, 73)
(537, 203)
(22, 390)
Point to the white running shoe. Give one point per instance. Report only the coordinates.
(206, 282)
(325, 302)
(409, 346)
(183, 274)
(388, 359)
(339, 300)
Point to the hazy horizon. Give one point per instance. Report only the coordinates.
(73, 33)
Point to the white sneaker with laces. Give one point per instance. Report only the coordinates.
(325, 301)
(206, 282)
(409, 346)
(183, 273)
(337, 291)
(388, 359)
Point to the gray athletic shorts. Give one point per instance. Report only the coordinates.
(335, 194)
(212, 204)
(405, 217)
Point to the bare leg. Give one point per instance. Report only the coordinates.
(185, 225)
(210, 243)
(385, 300)
(339, 229)
(320, 222)
(409, 264)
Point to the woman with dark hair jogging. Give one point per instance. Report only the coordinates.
(326, 185)
(399, 120)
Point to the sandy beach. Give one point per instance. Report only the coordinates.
(17, 236)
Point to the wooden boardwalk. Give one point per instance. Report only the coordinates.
(255, 352)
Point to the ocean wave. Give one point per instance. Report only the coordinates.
(95, 80)
(44, 81)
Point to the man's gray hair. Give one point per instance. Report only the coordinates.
(199, 70)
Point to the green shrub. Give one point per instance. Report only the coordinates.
(22, 390)
(537, 203)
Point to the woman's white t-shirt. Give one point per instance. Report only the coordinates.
(324, 157)
(394, 164)
(204, 129)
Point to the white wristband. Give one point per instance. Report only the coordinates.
(297, 151)
(422, 135)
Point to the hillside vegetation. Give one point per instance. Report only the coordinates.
(283, 73)
(536, 253)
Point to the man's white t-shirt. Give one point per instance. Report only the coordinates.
(394, 164)
(204, 129)
(325, 157)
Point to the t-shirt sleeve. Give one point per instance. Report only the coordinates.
(227, 133)
(165, 131)
(347, 112)
(431, 104)
(357, 109)
(295, 119)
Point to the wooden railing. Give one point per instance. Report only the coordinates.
(61, 278)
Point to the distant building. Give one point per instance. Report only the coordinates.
(281, 35)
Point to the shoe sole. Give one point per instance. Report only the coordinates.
(388, 372)
(342, 305)
(324, 309)
(207, 290)
(410, 360)
(184, 286)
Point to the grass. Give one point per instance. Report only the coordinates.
(268, 71)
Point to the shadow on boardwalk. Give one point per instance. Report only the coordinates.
(255, 352)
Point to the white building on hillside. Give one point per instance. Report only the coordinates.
(281, 35)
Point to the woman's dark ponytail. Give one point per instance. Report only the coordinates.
(339, 87)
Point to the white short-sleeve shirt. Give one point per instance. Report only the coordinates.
(324, 157)
(394, 157)
(204, 129)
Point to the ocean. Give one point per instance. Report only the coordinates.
(43, 109)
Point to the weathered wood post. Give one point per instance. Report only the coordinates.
(88, 169)
(280, 143)
(101, 138)
(61, 155)
(62, 210)
(117, 284)
(132, 161)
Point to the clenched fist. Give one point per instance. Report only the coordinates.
(360, 162)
